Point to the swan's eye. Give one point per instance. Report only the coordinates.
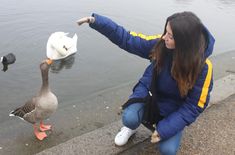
(65, 48)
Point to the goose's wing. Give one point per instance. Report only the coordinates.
(25, 109)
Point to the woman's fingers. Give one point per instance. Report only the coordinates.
(82, 20)
(85, 20)
(155, 137)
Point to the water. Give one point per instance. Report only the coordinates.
(98, 65)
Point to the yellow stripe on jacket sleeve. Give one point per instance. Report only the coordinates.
(205, 89)
(145, 36)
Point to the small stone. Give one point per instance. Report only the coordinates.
(74, 106)
(0, 148)
(26, 144)
(107, 107)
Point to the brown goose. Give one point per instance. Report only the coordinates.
(41, 106)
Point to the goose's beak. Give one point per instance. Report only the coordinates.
(49, 61)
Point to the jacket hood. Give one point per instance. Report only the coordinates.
(210, 43)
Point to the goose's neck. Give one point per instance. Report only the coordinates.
(45, 82)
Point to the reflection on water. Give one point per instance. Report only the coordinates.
(65, 63)
(227, 2)
(226, 5)
(223, 2)
(184, 2)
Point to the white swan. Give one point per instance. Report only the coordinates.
(59, 45)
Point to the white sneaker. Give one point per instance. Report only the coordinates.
(123, 136)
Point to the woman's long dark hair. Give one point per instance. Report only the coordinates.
(188, 55)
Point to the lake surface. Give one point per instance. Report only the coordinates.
(98, 65)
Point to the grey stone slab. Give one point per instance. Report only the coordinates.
(98, 142)
(101, 141)
(223, 88)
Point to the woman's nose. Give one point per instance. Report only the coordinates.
(164, 37)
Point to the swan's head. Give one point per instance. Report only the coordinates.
(60, 46)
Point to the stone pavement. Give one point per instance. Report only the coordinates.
(213, 132)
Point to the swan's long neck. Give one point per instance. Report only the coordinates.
(45, 81)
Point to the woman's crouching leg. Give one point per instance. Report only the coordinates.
(132, 115)
(170, 146)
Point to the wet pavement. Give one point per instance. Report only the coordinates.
(68, 122)
(218, 115)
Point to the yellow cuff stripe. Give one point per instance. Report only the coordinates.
(145, 36)
(205, 89)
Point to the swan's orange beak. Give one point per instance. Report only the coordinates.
(49, 61)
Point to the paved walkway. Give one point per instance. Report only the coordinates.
(212, 134)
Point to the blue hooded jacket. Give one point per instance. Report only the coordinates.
(178, 112)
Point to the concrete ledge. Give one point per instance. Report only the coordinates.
(101, 141)
(222, 89)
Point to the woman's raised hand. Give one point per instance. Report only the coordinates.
(88, 20)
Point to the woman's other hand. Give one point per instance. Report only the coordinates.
(155, 137)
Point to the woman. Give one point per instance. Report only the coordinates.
(179, 59)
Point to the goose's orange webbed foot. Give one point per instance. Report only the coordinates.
(44, 127)
(38, 134)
